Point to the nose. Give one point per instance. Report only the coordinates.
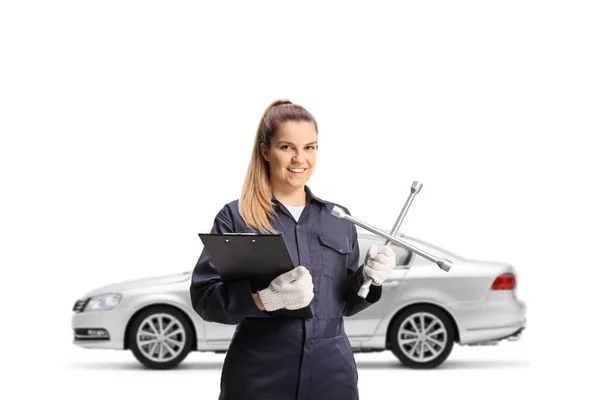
(298, 158)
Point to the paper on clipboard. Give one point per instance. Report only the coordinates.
(244, 256)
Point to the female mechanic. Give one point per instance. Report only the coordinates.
(274, 355)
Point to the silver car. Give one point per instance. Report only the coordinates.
(423, 311)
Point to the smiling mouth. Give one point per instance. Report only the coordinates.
(297, 171)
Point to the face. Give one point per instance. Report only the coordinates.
(294, 146)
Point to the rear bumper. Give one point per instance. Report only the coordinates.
(492, 321)
(497, 336)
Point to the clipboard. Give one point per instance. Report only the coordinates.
(259, 257)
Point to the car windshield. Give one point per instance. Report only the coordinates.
(436, 248)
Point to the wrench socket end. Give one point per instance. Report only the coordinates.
(364, 289)
(444, 264)
(338, 212)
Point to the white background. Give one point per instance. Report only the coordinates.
(127, 125)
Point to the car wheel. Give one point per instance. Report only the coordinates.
(160, 337)
(422, 337)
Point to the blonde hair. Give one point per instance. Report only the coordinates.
(255, 204)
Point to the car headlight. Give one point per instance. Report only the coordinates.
(103, 302)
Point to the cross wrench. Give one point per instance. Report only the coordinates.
(443, 263)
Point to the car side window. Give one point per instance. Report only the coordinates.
(402, 254)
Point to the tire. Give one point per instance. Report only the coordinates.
(165, 351)
(422, 351)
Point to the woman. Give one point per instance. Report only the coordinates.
(273, 354)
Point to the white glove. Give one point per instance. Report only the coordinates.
(291, 290)
(379, 263)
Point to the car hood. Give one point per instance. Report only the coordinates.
(140, 283)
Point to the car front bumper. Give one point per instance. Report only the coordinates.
(98, 329)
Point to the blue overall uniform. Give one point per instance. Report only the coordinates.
(277, 357)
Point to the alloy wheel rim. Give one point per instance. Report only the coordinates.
(160, 337)
(422, 337)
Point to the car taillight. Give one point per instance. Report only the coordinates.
(504, 282)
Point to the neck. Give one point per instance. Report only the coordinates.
(291, 196)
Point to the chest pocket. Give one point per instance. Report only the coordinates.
(335, 250)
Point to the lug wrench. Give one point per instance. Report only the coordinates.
(443, 263)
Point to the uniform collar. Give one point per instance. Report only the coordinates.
(309, 197)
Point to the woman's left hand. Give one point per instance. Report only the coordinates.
(379, 263)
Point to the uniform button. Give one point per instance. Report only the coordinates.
(341, 250)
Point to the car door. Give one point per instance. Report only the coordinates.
(362, 325)
(217, 333)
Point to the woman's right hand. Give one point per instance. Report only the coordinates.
(291, 290)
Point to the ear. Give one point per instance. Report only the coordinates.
(264, 151)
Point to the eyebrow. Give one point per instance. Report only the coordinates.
(283, 141)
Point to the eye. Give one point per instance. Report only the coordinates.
(311, 147)
(284, 146)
